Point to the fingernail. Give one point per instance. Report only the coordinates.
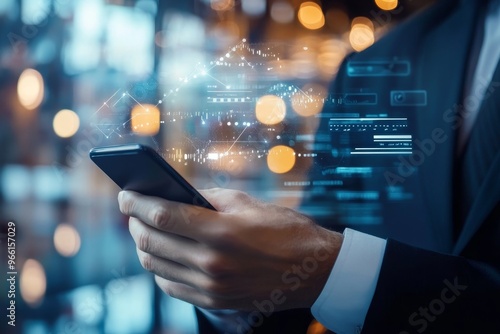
(121, 195)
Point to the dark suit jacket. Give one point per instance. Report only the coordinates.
(432, 279)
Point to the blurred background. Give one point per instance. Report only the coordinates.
(227, 91)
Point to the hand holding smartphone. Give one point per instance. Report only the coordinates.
(139, 168)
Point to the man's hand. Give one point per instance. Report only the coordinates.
(245, 253)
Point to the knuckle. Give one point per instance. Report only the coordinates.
(214, 287)
(227, 236)
(211, 303)
(160, 217)
(167, 288)
(146, 261)
(216, 266)
(144, 241)
(240, 195)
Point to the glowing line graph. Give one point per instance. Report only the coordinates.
(233, 54)
(246, 127)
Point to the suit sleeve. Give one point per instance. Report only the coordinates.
(290, 321)
(421, 291)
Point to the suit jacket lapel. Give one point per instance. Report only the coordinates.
(443, 64)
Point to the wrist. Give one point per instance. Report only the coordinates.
(315, 268)
(326, 256)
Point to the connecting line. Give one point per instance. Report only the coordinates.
(165, 96)
(105, 103)
(157, 145)
(205, 71)
(105, 135)
(191, 142)
(249, 64)
(130, 119)
(237, 139)
(133, 98)
(216, 79)
(309, 97)
(210, 68)
(121, 97)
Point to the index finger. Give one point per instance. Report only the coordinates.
(173, 217)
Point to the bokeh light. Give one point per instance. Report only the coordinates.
(361, 35)
(311, 16)
(309, 100)
(280, 159)
(230, 158)
(33, 282)
(282, 12)
(221, 5)
(66, 123)
(270, 109)
(331, 54)
(66, 240)
(316, 328)
(145, 120)
(362, 20)
(30, 88)
(253, 7)
(386, 4)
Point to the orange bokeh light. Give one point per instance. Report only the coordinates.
(270, 109)
(311, 16)
(33, 282)
(362, 33)
(310, 100)
(386, 4)
(66, 123)
(145, 120)
(281, 159)
(30, 88)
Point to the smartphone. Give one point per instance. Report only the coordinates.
(139, 168)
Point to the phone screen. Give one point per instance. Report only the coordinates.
(139, 168)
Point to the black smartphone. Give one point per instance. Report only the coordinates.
(139, 168)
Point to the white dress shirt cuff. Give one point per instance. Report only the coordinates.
(344, 301)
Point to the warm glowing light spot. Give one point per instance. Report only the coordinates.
(30, 89)
(282, 12)
(311, 16)
(332, 52)
(145, 120)
(270, 109)
(222, 5)
(361, 20)
(66, 240)
(361, 35)
(230, 158)
(309, 101)
(33, 282)
(66, 123)
(316, 328)
(280, 159)
(386, 4)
